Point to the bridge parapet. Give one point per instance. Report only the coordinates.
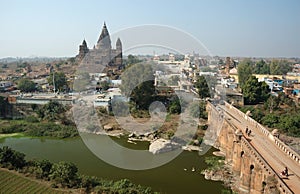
(285, 148)
(261, 161)
(291, 153)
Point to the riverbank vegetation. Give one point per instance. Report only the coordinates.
(37, 129)
(65, 175)
(277, 112)
(217, 170)
(49, 120)
(214, 162)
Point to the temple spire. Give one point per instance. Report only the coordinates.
(104, 33)
(84, 42)
(104, 38)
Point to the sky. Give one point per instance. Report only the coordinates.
(256, 28)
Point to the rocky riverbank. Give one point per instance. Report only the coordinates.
(219, 170)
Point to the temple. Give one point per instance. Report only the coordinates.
(102, 53)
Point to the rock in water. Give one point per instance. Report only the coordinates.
(161, 145)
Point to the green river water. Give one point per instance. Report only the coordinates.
(170, 178)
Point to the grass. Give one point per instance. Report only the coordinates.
(12, 182)
(11, 135)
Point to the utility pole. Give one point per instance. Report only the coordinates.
(271, 97)
(53, 82)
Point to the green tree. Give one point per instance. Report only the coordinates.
(244, 71)
(104, 85)
(26, 85)
(10, 157)
(138, 84)
(270, 120)
(280, 67)
(261, 67)
(290, 123)
(42, 168)
(89, 182)
(175, 106)
(51, 111)
(254, 91)
(60, 81)
(202, 87)
(132, 60)
(64, 173)
(272, 103)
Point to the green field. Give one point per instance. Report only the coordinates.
(13, 183)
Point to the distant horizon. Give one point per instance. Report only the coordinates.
(260, 29)
(60, 57)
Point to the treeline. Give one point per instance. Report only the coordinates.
(49, 120)
(38, 129)
(65, 175)
(248, 67)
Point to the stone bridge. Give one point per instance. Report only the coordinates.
(258, 159)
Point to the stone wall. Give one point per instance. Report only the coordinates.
(253, 174)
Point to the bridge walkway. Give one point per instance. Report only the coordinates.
(275, 157)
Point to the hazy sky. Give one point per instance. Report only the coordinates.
(226, 27)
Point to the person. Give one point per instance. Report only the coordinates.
(247, 130)
(286, 171)
(249, 133)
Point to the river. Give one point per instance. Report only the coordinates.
(175, 177)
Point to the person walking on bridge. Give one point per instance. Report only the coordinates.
(249, 132)
(286, 171)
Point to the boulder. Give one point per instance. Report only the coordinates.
(161, 145)
(108, 127)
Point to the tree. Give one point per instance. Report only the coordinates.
(138, 84)
(51, 110)
(89, 182)
(3, 106)
(262, 67)
(244, 71)
(132, 60)
(280, 67)
(175, 106)
(11, 157)
(254, 91)
(104, 85)
(202, 87)
(60, 81)
(42, 168)
(26, 85)
(270, 120)
(289, 123)
(64, 173)
(198, 110)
